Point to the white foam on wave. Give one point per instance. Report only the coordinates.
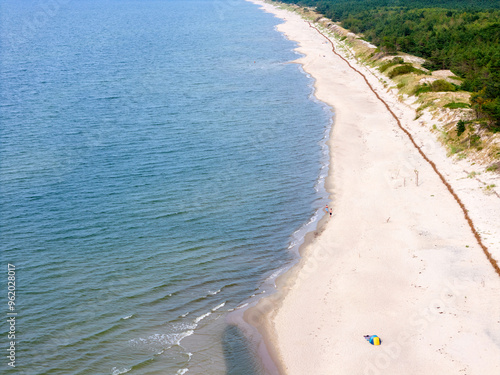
(201, 317)
(184, 335)
(214, 293)
(219, 306)
(159, 342)
(275, 274)
(117, 371)
(127, 317)
(297, 237)
(182, 371)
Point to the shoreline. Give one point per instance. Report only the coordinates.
(324, 296)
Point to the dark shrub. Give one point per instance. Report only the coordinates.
(460, 128)
(404, 69)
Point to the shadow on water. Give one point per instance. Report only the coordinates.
(240, 357)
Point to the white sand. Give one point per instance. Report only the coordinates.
(395, 260)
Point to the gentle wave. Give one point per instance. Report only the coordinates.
(159, 342)
(117, 371)
(201, 317)
(219, 306)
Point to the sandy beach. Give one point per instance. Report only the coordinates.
(397, 258)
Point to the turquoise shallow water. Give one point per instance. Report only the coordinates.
(157, 158)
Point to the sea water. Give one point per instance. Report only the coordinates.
(157, 158)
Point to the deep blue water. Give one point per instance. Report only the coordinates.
(156, 159)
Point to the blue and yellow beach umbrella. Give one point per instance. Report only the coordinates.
(373, 339)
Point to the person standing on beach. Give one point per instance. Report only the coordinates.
(326, 208)
(331, 212)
